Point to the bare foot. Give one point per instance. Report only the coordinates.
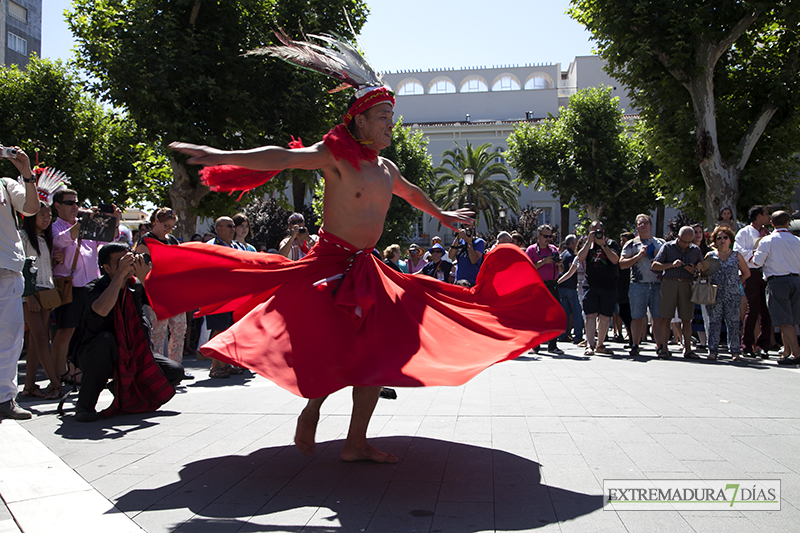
(305, 432)
(366, 452)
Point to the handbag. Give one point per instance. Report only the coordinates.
(48, 298)
(29, 276)
(704, 292)
(64, 285)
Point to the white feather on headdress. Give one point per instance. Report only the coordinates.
(51, 181)
(340, 60)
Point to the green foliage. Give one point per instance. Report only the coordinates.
(50, 116)
(268, 218)
(588, 155)
(178, 68)
(409, 151)
(488, 193)
(740, 60)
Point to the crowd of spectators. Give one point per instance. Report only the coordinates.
(641, 282)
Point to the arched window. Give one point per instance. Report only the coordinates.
(499, 151)
(539, 80)
(410, 87)
(441, 85)
(506, 82)
(474, 84)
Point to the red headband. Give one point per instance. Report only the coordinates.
(381, 94)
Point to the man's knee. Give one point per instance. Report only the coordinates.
(172, 370)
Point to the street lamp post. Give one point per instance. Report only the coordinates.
(469, 179)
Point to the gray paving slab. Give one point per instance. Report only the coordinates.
(523, 447)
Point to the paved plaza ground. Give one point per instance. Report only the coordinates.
(523, 447)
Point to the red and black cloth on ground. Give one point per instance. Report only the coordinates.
(140, 383)
(373, 327)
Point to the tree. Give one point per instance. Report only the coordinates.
(179, 70)
(717, 83)
(487, 194)
(409, 151)
(589, 156)
(51, 116)
(268, 220)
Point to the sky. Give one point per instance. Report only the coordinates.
(429, 34)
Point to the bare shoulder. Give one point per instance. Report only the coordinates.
(388, 163)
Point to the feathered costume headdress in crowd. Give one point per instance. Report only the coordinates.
(338, 60)
(49, 181)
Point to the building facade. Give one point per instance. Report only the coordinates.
(484, 105)
(21, 22)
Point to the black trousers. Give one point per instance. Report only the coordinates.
(97, 360)
(552, 286)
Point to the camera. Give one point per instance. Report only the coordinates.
(8, 153)
(599, 234)
(146, 257)
(468, 231)
(105, 208)
(302, 229)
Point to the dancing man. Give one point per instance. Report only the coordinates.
(342, 290)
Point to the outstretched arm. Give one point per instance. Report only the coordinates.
(263, 158)
(417, 197)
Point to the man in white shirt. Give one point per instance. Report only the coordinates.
(755, 286)
(13, 198)
(779, 254)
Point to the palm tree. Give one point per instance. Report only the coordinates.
(487, 193)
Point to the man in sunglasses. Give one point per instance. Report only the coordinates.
(677, 261)
(80, 263)
(548, 262)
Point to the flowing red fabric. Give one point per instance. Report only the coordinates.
(230, 178)
(141, 385)
(313, 332)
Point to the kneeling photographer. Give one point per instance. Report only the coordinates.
(113, 340)
(467, 254)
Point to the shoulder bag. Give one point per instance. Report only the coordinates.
(704, 292)
(64, 285)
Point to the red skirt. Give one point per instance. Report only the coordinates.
(339, 317)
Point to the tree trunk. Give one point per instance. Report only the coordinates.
(594, 212)
(721, 179)
(564, 216)
(660, 220)
(184, 197)
(722, 190)
(298, 191)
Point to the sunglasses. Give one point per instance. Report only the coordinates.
(546, 236)
(68, 202)
(721, 237)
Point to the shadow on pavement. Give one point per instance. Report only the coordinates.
(437, 485)
(108, 428)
